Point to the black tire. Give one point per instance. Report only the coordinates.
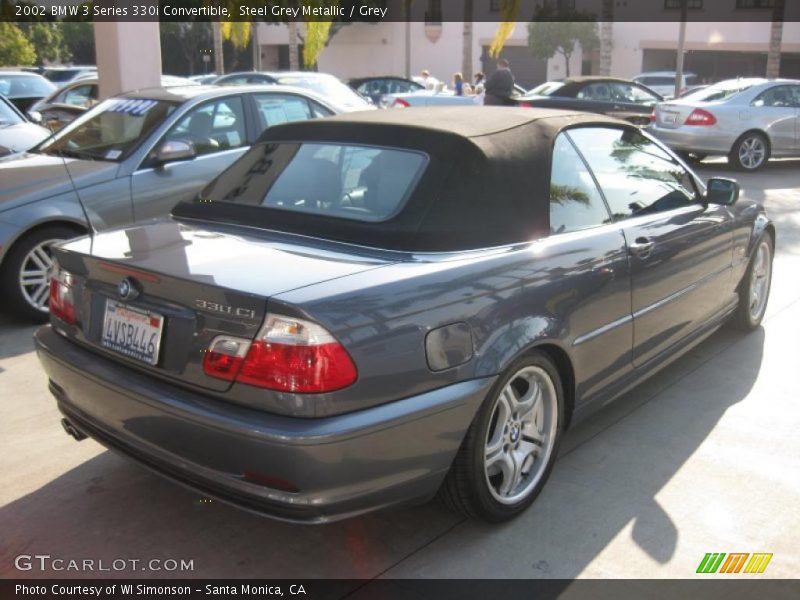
(14, 297)
(735, 155)
(744, 319)
(466, 487)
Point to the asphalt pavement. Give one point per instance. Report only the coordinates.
(704, 457)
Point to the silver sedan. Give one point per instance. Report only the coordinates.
(747, 120)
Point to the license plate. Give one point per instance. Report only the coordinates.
(132, 332)
(669, 117)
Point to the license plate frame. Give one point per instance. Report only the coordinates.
(136, 345)
(669, 117)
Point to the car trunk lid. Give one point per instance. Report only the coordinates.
(672, 115)
(189, 285)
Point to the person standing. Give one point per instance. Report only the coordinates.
(500, 85)
(458, 84)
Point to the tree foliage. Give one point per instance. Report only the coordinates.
(46, 39)
(15, 49)
(557, 32)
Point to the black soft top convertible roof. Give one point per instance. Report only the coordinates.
(486, 183)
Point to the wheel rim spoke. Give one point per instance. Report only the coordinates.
(521, 435)
(34, 276)
(759, 281)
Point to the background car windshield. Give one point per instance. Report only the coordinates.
(8, 116)
(24, 86)
(356, 182)
(721, 91)
(111, 131)
(327, 87)
(545, 89)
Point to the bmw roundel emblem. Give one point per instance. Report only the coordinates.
(127, 289)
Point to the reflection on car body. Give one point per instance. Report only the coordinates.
(430, 298)
(128, 159)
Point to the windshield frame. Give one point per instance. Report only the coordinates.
(7, 107)
(102, 107)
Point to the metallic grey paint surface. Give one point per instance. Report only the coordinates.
(608, 317)
(341, 466)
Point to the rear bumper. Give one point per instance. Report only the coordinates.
(341, 466)
(707, 140)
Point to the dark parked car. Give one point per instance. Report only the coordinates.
(604, 95)
(23, 88)
(365, 310)
(376, 88)
(129, 159)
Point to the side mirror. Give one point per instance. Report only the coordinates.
(174, 150)
(721, 190)
(35, 116)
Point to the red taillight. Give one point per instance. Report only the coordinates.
(700, 117)
(61, 302)
(400, 103)
(653, 116)
(523, 104)
(225, 357)
(288, 355)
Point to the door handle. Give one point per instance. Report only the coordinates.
(642, 247)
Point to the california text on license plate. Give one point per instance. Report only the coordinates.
(132, 332)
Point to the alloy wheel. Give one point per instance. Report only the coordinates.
(752, 152)
(34, 275)
(760, 280)
(521, 435)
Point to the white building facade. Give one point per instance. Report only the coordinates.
(713, 50)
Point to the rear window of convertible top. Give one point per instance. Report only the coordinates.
(363, 183)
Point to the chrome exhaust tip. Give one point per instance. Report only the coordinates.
(73, 431)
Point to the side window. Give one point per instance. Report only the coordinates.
(780, 96)
(575, 202)
(318, 111)
(213, 127)
(596, 91)
(78, 96)
(633, 94)
(274, 109)
(637, 177)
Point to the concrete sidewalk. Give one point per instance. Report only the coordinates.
(705, 457)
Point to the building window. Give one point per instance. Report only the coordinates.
(434, 12)
(690, 4)
(755, 3)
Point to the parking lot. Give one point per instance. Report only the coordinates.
(704, 457)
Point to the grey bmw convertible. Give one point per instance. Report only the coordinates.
(375, 309)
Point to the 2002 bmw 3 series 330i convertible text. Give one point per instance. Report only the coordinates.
(364, 311)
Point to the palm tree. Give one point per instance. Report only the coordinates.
(775, 38)
(466, 50)
(293, 63)
(606, 37)
(219, 61)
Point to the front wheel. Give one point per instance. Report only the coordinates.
(26, 272)
(750, 152)
(755, 286)
(510, 448)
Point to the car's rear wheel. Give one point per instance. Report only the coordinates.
(755, 286)
(25, 275)
(510, 448)
(750, 152)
